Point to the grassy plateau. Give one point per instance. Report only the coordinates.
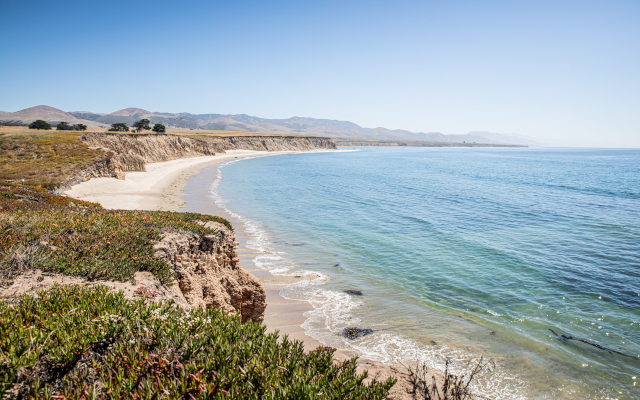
(43, 158)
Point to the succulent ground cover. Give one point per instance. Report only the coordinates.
(80, 343)
(45, 158)
(59, 234)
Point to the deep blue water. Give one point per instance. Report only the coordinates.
(463, 252)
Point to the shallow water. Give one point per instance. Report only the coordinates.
(460, 253)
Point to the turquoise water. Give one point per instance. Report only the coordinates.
(461, 253)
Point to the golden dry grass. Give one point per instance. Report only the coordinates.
(43, 158)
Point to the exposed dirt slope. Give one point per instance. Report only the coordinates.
(149, 148)
(272, 143)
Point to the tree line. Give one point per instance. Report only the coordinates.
(138, 126)
(62, 126)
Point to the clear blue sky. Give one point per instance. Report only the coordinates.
(560, 71)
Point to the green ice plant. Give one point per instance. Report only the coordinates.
(87, 343)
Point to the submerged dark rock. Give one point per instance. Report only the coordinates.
(352, 332)
(353, 292)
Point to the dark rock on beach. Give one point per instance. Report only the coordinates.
(352, 332)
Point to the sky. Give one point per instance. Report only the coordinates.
(563, 72)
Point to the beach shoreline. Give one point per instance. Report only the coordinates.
(161, 188)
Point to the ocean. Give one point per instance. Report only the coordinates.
(528, 259)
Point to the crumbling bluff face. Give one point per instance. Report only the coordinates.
(272, 143)
(149, 148)
(209, 273)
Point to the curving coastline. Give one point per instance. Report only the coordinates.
(131, 153)
(160, 187)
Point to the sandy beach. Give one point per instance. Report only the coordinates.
(161, 188)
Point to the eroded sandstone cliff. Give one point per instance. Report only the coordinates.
(272, 143)
(209, 273)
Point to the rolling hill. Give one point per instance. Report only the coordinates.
(244, 122)
(49, 114)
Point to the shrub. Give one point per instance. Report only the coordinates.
(13, 123)
(39, 124)
(159, 128)
(451, 388)
(79, 343)
(119, 127)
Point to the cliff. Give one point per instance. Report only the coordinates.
(209, 272)
(271, 143)
(149, 148)
(131, 152)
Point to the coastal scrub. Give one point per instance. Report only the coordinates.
(42, 230)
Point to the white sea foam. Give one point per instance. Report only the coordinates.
(333, 311)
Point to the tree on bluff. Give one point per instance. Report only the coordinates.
(159, 128)
(39, 124)
(119, 127)
(63, 126)
(138, 126)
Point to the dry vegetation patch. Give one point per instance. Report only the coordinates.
(43, 158)
(59, 234)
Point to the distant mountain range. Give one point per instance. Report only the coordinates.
(243, 122)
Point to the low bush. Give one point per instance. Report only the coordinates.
(159, 128)
(13, 123)
(80, 343)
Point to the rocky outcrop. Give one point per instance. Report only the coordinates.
(209, 272)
